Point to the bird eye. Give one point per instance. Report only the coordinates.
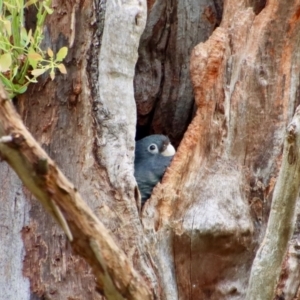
(153, 148)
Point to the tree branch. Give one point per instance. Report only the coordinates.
(267, 263)
(115, 275)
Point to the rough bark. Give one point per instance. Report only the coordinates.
(114, 274)
(205, 221)
(212, 207)
(289, 281)
(58, 114)
(77, 127)
(269, 257)
(115, 116)
(163, 89)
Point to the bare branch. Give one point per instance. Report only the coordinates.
(267, 263)
(115, 275)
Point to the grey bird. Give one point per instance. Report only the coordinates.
(153, 154)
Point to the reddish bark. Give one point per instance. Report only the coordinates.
(246, 84)
(114, 273)
(205, 221)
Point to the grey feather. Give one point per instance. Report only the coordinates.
(149, 167)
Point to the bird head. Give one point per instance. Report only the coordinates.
(153, 154)
(153, 145)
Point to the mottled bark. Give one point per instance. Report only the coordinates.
(115, 116)
(289, 281)
(76, 120)
(58, 114)
(210, 213)
(267, 263)
(205, 221)
(114, 274)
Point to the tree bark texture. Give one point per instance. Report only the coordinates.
(269, 257)
(76, 113)
(199, 232)
(163, 88)
(48, 268)
(113, 272)
(210, 213)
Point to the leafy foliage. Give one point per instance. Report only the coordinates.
(21, 58)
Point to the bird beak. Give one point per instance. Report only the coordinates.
(169, 151)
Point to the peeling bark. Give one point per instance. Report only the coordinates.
(205, 220)
(289, 281)
(115, 116)
(115, 277)
(64, 117)
(213, 204)
(266, 266)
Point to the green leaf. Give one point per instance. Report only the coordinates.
(33, 80)
(8, 85)
(47, 8)
(7, 25)
(38, 72)
(34, 58)
(32, 63)
(20, 50)
(52, 74)
(30, 2)
(15, 71)
(21, 89)
(5, 62)
(24, 36)
(9, 6)
(50, 52)
(5, 81)
(61, 54)
(28, 37)
(62, 68)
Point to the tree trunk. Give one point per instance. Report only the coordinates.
(210, 213)
(197, 236)
(91, 138)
